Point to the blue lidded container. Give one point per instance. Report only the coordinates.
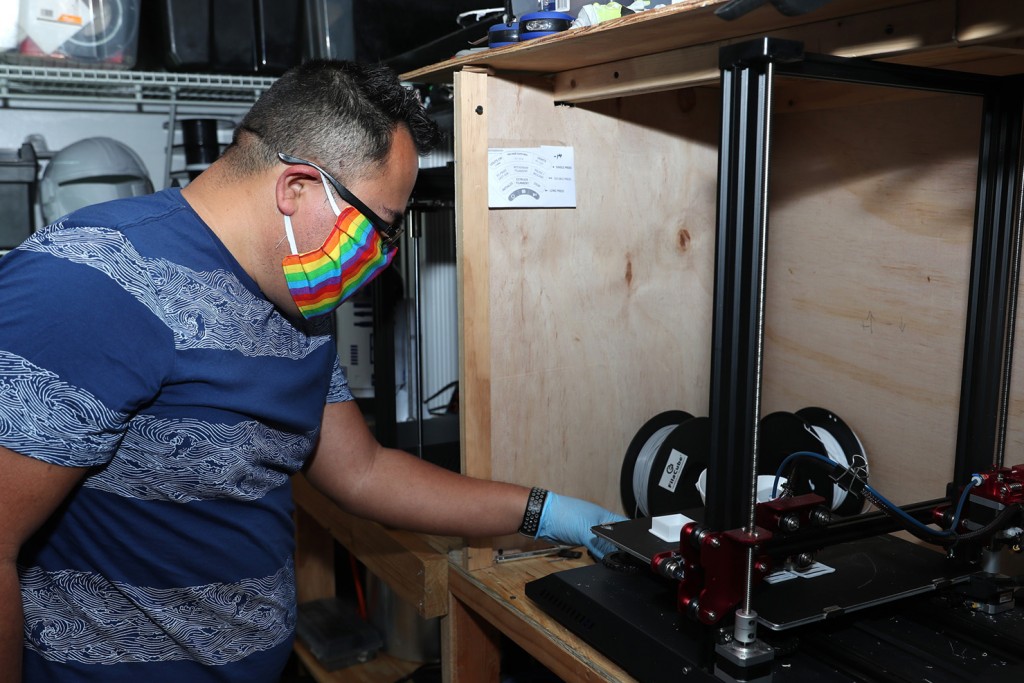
(502, 34)
(539, 24)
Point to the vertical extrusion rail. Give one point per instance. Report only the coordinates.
(992, 301)
(740, 249)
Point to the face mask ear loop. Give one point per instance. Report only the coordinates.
(289, 234)
(330, 196)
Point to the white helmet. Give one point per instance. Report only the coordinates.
(91, 171)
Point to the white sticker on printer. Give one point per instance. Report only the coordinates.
(673, 471)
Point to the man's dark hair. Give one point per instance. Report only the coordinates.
(342, 115)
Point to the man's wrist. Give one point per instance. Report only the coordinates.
(534, 508)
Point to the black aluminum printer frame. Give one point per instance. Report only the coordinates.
(748, 70)
(624, 616)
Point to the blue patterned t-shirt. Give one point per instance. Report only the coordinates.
(132, 343)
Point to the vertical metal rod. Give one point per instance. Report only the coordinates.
(764, 113)
(385, 426)
(172, 124)
(764, 108)
(416, 233)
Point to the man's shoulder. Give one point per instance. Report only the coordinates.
(128, 212)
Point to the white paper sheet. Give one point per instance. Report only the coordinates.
(531, 177)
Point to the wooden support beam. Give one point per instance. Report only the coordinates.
(472, 647)
(989, 21)
(416, 570)
(899, 30)
(472, 254)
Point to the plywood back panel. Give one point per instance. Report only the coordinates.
(600, 315)
(868, 273)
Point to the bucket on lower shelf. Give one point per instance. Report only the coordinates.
(406, 634)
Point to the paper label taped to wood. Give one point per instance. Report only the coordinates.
(531, 177)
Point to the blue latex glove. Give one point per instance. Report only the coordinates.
(567, 521)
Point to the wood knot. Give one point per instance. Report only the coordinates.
(684, 239)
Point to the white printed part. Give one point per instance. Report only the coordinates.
(673, 470)
(816, 569)
(780, 576)
(668, 527)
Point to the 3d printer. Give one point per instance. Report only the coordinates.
(705, 596)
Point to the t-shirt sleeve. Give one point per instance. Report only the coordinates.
(338, 391)
(80, 352)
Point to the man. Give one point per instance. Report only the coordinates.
(166, 363)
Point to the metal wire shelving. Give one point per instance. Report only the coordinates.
(28, 85)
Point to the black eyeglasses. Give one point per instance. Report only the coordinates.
(389, 232)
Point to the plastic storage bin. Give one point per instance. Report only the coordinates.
(256, 36)
(18, 168)
(92, 33)
(185, 29)
(330, 30)
(264, 37)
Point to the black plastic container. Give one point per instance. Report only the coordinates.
(264, 37)
(256, 36)
(202, 147)
(185, 28)
(18, 170)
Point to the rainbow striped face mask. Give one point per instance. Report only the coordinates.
(353, 254)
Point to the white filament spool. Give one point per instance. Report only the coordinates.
(642, 468)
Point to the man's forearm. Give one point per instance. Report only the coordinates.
(408, 493)
(11, 630)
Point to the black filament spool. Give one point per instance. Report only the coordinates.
(636, 446)
(783, 433)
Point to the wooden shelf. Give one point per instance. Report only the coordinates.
(413, 565)
(677, 45)
(497, 595)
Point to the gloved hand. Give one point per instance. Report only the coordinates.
(567, 521)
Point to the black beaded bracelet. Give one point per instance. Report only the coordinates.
(531, 517)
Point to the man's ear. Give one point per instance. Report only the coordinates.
(294, 183)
